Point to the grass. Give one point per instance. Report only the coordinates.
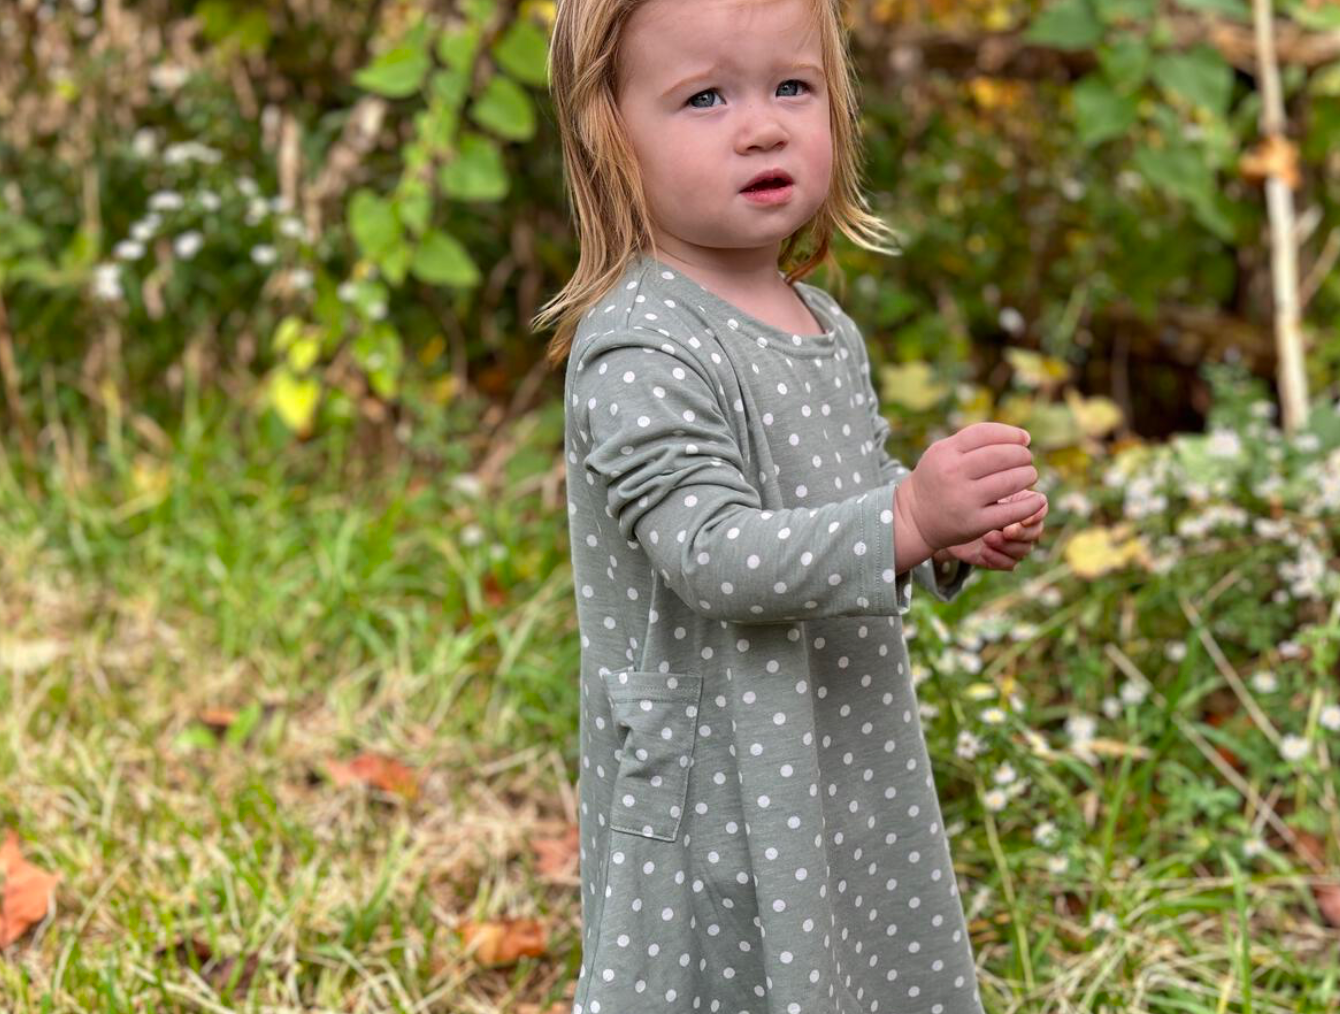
(334, 610)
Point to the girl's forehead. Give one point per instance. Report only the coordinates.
(723, 32)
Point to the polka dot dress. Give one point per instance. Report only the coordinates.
(760, 832)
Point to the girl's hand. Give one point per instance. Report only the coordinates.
(1000, 549)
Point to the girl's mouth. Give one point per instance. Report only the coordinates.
(769, 192)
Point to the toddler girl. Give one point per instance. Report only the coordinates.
(760, 830)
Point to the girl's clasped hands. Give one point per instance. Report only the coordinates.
(968, 497)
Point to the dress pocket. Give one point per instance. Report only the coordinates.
(659, 712)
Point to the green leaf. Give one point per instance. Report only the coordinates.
(414, 204)
(457, 47)
(476, 173)
(242, 724)
(374, 224)
(1125, 62)
(1069, 24)
(380, 354)
(196, 736)
(1320, 17)
(303, 353)
(286, 333)
(395, 263)
(1114, 11)
(398, 72)
(1238, 10)
(506, 109)
(1200, 75)
(294, 399)
(523, 52)
(1100, 112)
(442, 260)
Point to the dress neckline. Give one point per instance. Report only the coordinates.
(747, 326)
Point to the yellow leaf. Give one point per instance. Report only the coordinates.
(1096, 416)
(1036, 370)
(911, 385)
(1098, 550)
(294, 398)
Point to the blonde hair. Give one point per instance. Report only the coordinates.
(609, 205)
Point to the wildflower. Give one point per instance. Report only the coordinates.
(472, 534)
(1045, 834)
(1076, 502)
(168, 76)
(1223, 443)
(188, 244)
(995, 800)
(1306, 442)
(292, 228)
(980, 691)
(300, 278)
(145, 143)
(1103, 921)
(1290, 649)
(1024, 631)
(166, 200)
(1011, 320)
(347, 292)
(107, 282)
(128, 250)
(1263, 409)
(927, 711)
(993, 716)
(143, 230)
(1175, 650)
(1253, 846)
(257, 210)
(1080, 727)
(1004, 774)
(1293, 748)
(1264, 682)
(1330, 717)
(1132, 692)
(1057, 864)
(968, 746)
(190, 151)
(263, 254)
(1111, 707)
(209, 200)
(248, 186)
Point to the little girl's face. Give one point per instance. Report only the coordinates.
(713, 92)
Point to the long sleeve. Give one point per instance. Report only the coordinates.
(674, 475)
(944, 585)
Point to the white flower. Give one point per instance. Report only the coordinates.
(128, 250)
(263, 254)
(107, 282)
(1076, 502)
(1293, 748)
(995, 800)
(209, 200)
(472, 534)
(1223, 444)
(1175, 650)
(166, 200)
(1080, 727)
(188, 244)
(1306, 442)
(993, 716)
(928, 711)
(377, 309)
(1290, 649)
(1253, 846)
(145, 143)
(969, 746)
(1011, 320)
(347, 291)
(1045, 834)
(1132, 692)
(1263, 409)
(191, 151)
(980, 691)
(1111, 707)
(248, 186)
(292, 227)
(1103, 921)
(168, 76)
(1330, 717)
(1264, 682)
(1057, 864)
(257, 209)
(143, 230)
(1004, 774)
(300, 278)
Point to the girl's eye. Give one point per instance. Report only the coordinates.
(712, 91)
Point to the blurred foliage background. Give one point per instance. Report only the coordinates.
(281, 484)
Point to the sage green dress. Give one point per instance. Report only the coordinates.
(760, 830)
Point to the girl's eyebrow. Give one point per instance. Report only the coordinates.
(714, 70)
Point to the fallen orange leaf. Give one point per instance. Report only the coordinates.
(1274, 156)
(503, 941)
(557, 857)
(377, 770)
(28, 891)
